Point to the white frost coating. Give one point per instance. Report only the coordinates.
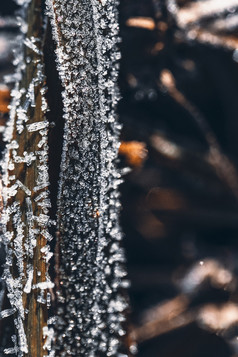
(30, 43)
(23, 2)
(28, 158)
(41, 195)
(28, 285)
(90, 318)
(11, 350)
(6, 313)
(23, 187)
(44, 285)
(47, 253)
(49, 334)
(37, 126)
(24, 220)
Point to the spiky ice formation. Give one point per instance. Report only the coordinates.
(92, 277)
(26, 198)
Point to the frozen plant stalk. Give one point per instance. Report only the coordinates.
(26, 202)
(91, 302)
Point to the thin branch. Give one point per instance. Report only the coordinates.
(223, 166)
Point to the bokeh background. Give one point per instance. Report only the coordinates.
(179, 110)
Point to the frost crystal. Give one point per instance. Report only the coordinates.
(25, 177)
(91, 301)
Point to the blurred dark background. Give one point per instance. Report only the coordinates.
(179, 110)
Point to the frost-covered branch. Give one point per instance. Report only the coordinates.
(91, 305)
(26, 201)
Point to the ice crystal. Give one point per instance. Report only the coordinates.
(91, 313)
(25, 220)
(6, 313)
(12, 350)
(31, 43)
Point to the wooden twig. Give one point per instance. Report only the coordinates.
(223, 166)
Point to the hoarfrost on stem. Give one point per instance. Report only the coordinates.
(91, 298)
(25, 168)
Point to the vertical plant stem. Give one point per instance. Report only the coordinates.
(26, 193)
